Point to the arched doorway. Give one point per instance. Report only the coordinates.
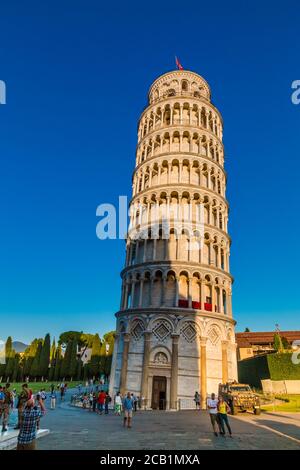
(159, 393)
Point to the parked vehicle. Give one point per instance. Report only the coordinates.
(240, 397)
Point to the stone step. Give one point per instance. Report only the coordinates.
(9, 439)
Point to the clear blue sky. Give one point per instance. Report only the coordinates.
(77, 75)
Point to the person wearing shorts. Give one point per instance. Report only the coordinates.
(212, 405)
(128, 407)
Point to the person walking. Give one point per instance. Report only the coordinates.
(5, 406)
(212, 405)
(197, 400)
(94, 402)
(118, 404)
(107, 402)
(24, 396)
(28, 430)
(101, 401)
(62, 392)
(128, 407)
(223, 409)
(90, 401)
(53, 400)
(134, 401)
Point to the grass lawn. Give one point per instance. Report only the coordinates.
(37, 386)
(293, 405)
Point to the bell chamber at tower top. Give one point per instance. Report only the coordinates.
(179, 83)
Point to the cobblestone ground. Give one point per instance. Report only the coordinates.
(73, 428)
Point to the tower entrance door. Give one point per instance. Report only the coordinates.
(159, 393)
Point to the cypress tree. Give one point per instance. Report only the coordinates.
(79, 370)
(73, 360)
(52, 360)
(94, 365)
(29, 356)
(58, 362)
(35, 366)
(16, 371)
(9, 358)
(8, 348)
(109, 340)
(45, 357)
(53, 350)
(85, 372)
(66, 362)
(278, 346)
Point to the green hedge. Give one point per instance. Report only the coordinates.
(281, 367)
(278, 366)
(251, 371)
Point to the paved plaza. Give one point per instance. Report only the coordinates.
(75, 428)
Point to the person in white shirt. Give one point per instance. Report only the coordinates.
(212, 405)
(118, 404)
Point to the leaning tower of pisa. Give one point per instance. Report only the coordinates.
(175, 331)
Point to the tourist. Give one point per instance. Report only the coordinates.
(24, 396)
(90, 401)
(139, 401)
(118, 404)
(223, 409)
(2, 396)
(212, 405)
(101, 401)
(107, 402)
(43, 394)
(128, 407)
(62, 391)
(94, 402)
(30, 419)
(134, 401)
(197, 400)
(53, 400)
(5, 406)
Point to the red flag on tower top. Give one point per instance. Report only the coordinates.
(178, 64)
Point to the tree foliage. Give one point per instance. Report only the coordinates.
(45, 357)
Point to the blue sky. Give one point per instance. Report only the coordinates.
(77, 75)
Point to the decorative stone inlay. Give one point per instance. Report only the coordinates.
(213, 335)
(137, 331)
(162, 330)
(189, 332)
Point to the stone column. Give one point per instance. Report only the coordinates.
(151, 292)
(203, 382)
(176, 291)
(213, 297)
(224, 362)
(203, 299)
(190, 291)
(174, 372)
(132, 293)
(163, 291)
(145, 372)
(229, 303)
(123, 381)
(113, 366)
(141, 292)
(126, 296)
